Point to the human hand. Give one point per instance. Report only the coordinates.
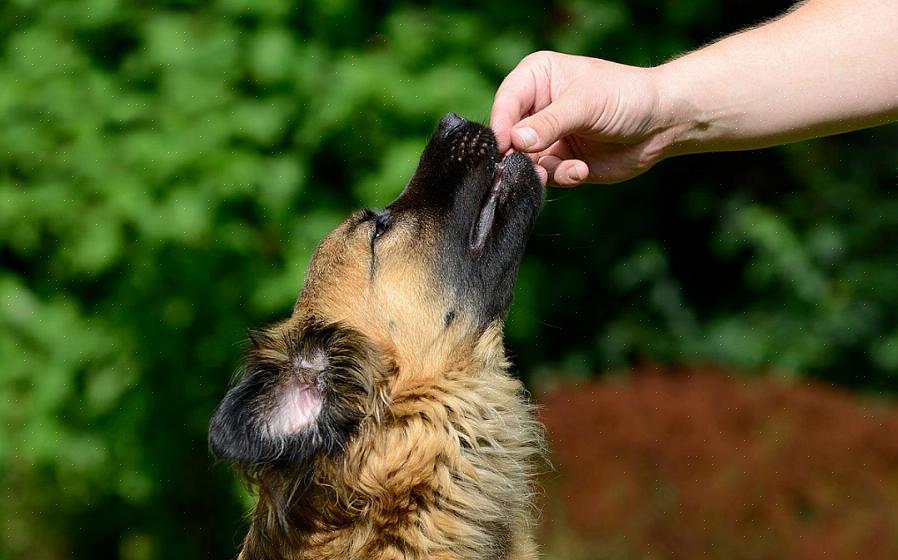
(582, 120)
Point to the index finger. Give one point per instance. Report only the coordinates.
(515, 98)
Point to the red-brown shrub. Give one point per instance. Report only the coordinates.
(704, 465)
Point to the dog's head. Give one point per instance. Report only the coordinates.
(392, 296)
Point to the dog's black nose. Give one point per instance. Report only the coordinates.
(450, 123)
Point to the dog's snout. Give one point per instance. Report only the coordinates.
(450, 123)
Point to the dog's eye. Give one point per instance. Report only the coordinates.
(382, 223)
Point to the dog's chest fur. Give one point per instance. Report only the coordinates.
(447, 474)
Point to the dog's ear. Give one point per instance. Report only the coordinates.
(276, 399)
(303, 389)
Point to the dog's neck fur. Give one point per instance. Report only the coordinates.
(446, 473)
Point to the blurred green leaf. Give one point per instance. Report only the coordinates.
(168, 168)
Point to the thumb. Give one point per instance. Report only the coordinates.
(541, 130)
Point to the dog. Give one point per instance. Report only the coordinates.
(380, 421)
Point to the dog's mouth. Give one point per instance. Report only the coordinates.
(486, 218)
(480, 205)
(506, 176)
(462, 176)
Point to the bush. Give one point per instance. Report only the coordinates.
(698, 464)
(166, 169)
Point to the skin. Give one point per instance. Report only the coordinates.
(825, 67)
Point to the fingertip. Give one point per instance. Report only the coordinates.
(501, 131)
(524, 138)
(562, 180)
(577, 171)
(508, 108)
(571, 173)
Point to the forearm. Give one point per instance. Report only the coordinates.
(829, 66)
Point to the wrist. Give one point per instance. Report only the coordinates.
(674, 113)
(685, 125)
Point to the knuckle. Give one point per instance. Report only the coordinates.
(551, 122)
(538, 57)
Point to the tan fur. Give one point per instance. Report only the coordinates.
(442, 465)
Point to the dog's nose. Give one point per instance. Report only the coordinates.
(450, 123)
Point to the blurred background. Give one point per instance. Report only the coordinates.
(715, 344)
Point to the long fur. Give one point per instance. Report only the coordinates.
(446, 473)
(379, 422)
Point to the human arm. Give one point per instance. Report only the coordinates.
(827, 66)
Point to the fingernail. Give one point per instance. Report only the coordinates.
(574, 175)
(527, 136)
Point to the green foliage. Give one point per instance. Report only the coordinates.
(167, 168)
